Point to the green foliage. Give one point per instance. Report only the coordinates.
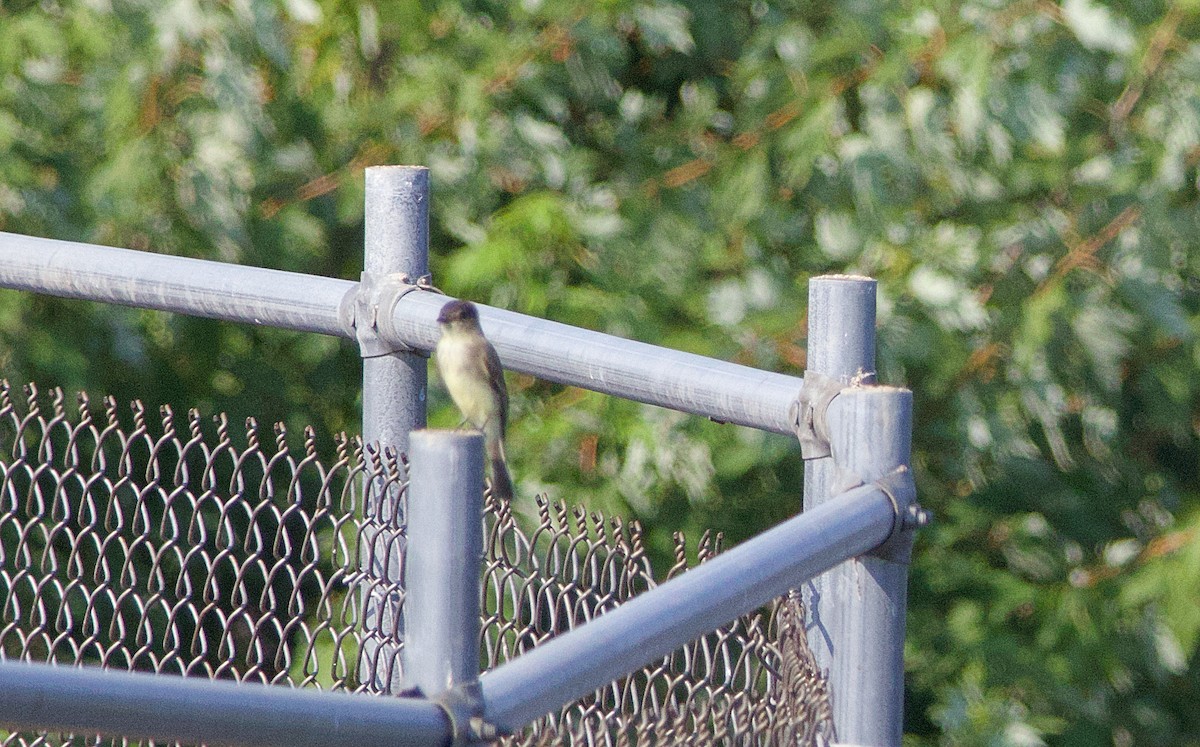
(1021, 177)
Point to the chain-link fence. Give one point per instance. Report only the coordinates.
(184, 547)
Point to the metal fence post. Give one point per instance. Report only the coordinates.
(867, 596)
(394, 394)
(841, 345)
(443, 570)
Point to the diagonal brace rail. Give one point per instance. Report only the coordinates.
(661, 620)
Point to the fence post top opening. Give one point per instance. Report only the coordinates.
(391, 169)
(838, 277)
(410, 183)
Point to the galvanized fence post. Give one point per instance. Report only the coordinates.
(443, 571)
(841, 346)
(866, 597)
(393, 395)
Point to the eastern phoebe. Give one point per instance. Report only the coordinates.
(470, 368)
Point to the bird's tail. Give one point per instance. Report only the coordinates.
(502, 486)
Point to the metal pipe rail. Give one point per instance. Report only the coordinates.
(192, 710)
(722, 391)
(273, 298)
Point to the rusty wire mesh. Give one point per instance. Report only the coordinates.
(176, 546)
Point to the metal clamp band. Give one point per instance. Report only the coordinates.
(808, 414)
(900, 489)
(463, 705)
(366, 311)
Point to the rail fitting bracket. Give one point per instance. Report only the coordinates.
(463, 706)
(809, 414)
(899, 487)
(367, 308)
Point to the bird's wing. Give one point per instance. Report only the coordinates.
(495, 375)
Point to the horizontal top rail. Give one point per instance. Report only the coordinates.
(198, 287)
(722, 391)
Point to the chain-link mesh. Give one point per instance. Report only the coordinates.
(146, 546)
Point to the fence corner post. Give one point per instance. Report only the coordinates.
(396, 241)
(871, 434)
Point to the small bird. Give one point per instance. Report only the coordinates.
(470, 368)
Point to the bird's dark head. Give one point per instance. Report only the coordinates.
(458, 311)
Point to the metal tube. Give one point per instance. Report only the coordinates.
(194, 711)
(841, 325)
(397, 242)
(254, 295)
(725, 392)
(841, 344)
(443, 561)
(871, 434)
(661, 620)
(394, 392)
